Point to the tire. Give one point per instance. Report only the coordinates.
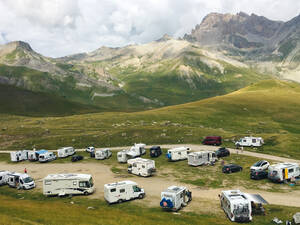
(85, 193)
(141, 196)
(120, 201)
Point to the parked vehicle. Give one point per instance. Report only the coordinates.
(260, 165)
(19, 155)
(238, 206)
(174, 198)
(47, 156)
(122, 191)
(20, 181)
(90, 149)
(202, 158)
(76, 158)
(258, 174)
(4, 177)
(65, 152)
(141, 167)
(122, 156)
(222, 152)
(283, 171)
(155, 151)
(176, 154)
(231, 168)
(34, 155)
(136, 150)
(212, 140)
(68, 184)
(103, 154)
(250, 142)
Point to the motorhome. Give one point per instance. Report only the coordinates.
(65, 152)
(202, 158)
(250, 142)
(20, 181)
(283, 171)
(238, 206)
(34, 155)
(68, 184)
(122, 191)
(47, 156)
(18, 156)
(141, 167)
(102, 154)
(179, 153)
(3, 177)
(136, 150)
(174, 198)
(122, 156)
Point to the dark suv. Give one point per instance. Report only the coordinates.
(155, 151)
(231, 168)
(76, 158)
(258, 174)
(222, 152)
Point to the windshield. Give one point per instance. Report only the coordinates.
(91, 182)
(136, 188)
(27, 180)
(258, 163)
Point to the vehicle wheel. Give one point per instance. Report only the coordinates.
(230, 171)
(141, 196)
(241, 169)
(120, 201)
(85, 193)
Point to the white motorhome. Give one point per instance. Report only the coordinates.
(141, 167)
(179, 153)
(174, 198)
(202, 158)
(238, 206)
(4, 177)
(19, 155)
(47, 157)
(65, 152)
(250, 142)
(122, 156)
(68, 184)
(283, 171)
(20, 181)
(103, 154)
(122, 191)
(136, 150)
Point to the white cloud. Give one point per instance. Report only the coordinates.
(61, 27)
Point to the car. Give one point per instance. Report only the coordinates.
(260, 165)
(90, 149)
(222, 152)
(155, 151)
(258, 174)
(231, 168)
(76, 158)
(212, 140)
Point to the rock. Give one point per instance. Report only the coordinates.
(90, 207)
(123, 134)
(72, 203)
(73, 140)
(163, 134)
(4, 128)
(296, 218)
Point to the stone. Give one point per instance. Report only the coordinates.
(296, 218)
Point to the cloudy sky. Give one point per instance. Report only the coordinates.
(61, 27)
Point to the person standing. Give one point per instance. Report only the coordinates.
(25, 170)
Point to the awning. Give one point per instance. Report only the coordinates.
(256, 198)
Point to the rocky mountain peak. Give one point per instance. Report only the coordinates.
(165, 37)
(19, 45)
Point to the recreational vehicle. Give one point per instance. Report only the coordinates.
(68, 184)
(20, 181)
(202, 158)
(3, 177)
(250, 142)
(238, 206)
(65, 152)
(102, 154)
(136, 150)
(174, 198)
(283, 171)
(47, 157)
(179, 153)
(19, 155)
(122, 156)
(141, 167)
(122, 191)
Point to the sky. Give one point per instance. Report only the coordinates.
(62, 27)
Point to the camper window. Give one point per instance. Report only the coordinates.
(253, 140)
(200, 157)
(82, 184)
(179, 153)
(74, 183)
(0, 178)
(291, 170)
(143, 166)
(244, 140)
(134, 164)
(122, 190)
(113, 190)
(48, 182)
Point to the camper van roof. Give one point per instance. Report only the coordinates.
(22, 175)
(284, 165)
(235, 196)
(112, 185)
(200, 153)
(175, 189)
(68, 176)
(64, 148)
(179, 149)
(135, 160)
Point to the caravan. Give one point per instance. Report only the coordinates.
(250, 142)
(136, 150)
(4, 177)
(179, 153)
(65, 152)
(20, 181)
(102, 154)
(68, 184)
(141, 167)
(283, 171)
(122, 156)
(202, 158)
(174, 198)
(19, 155)
(47, 156)
(122, 191)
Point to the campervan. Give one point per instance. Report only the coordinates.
(174, 198)
(250, 142)
(102, 154)
(65, 152)
(47, 156)
(202, 158)
(20, 181)
(238, 206)
(68, 184)
(141, 167)
(122, 191)
(3, 177)
(34, 155)
(122, 156)
(136, 150)
(19, 155)
(283, 171)
(179, 153)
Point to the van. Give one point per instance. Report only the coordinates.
(283, 171)
(20, 181)
(47, 157)
(65, 152)
(141, 167)
(3, 177)
(250, 142)
(174, 198)
(212, 140)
